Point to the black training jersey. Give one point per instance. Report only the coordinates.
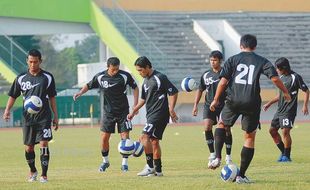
(41, 85)
(209, 81)
(292, 82)
(243, 72)
(114, 90)
(154, 92)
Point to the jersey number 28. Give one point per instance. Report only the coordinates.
(245, 70)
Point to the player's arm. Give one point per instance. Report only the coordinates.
(277, 81)
(268, 104)
(306, 100)
(136, 109)
(54, 110)
(135, 96)
(172, 101)
(7, 111)
(220, 89)
(83, 90)
(197, 99)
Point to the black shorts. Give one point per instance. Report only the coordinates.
(33, 134)
(212, 115)
(109, 121)
(283, 121)
(155, 129)
(249, 120)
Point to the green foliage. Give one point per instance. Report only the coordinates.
(75, 157)
(88, 49)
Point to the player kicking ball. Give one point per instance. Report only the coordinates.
(285, 116)
(37, 127)
(113, 82)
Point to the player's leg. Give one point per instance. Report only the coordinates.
(273, 130)
(250, 123)
(148, 150)
(29, 141)
(107, 127)
(286, 126)
(228, 143)
(157, 156)
(124, 126)
(44, 135)
(209, 119)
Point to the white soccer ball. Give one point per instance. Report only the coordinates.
(229, 173)
(138, 149)
(33, 104)
(126, 147)
(188, 84)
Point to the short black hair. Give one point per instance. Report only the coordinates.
(248, 41)
(34, 53)
(216, 54)
(143, 62)
(113, 61)
(283, 64)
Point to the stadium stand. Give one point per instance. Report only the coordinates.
(279, 34)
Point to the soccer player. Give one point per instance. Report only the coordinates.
(209, 81)
(241, 74)
(36, 127)
(156, 88)
(286, 112)
(113, 82)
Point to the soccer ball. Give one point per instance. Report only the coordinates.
(188, 84)
(33, 104)
(138, 149)
(126, 147)
(229, 173)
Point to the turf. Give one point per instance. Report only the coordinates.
(75, 157)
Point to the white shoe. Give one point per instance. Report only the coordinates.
(215, 163)
(242, 180)
(228, 160)
(211, 158)
(33, 177)
(43, 179)
(147, 171)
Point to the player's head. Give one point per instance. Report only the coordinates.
(34, 59)
(248, 41)
(216, 58)
(113, 66)
(283, 66)
(143, 66)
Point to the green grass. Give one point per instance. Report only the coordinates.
(75, 157)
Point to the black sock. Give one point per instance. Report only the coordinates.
(157, 163)
(210, 140)
(30, 157)
(149, 160)
(228, 142)
(246, 158)
(104, 153)
(220, 135)
(45, 157)
(287, 152)
(280, 145)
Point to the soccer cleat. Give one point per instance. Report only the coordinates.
(124, 168)
(228, 160)
(285, 159)
(159, 174)
(215, 163)
(211, 158)
(280, 158)
(33, 177)
(243, 180)
(103, 166)
(43, 179)
(147, 171)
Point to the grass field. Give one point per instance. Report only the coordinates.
(75, 157)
